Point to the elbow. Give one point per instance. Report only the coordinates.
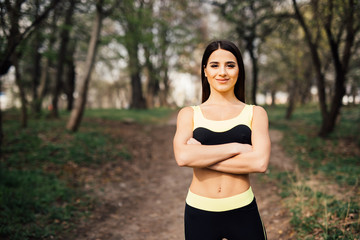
(181, 160)
(263, 164)
(180, 163)
(262, 168)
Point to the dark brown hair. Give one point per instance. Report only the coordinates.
(239, 88)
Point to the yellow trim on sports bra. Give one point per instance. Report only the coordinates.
(244, 117)
(220, 204)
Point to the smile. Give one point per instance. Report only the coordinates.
(222, 80)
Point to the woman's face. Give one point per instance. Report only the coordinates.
(222, 71)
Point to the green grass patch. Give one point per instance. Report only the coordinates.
(135, 115)
(34, 204)
(316, 214)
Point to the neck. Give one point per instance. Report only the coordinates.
(222, 98)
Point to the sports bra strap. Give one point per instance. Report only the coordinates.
(245, 118)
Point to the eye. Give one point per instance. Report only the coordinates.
(214, 65)
(231, 65)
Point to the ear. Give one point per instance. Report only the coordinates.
(205, 71)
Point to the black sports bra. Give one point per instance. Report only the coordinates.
(212, 132)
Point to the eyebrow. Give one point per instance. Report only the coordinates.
(226, 62)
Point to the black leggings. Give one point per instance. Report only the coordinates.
(241, 223)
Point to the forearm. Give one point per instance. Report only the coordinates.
(201, 156)
(244, 163)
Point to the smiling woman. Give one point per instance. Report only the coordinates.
(221, 71)
(223, 140)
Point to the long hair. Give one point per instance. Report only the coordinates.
(239, 88)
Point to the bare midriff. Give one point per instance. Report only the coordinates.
(214, 184)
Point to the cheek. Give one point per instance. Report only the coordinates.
(210, 72)
(234, 73)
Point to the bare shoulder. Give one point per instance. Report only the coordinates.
(260, 112)
(260, 116)
(185, 114)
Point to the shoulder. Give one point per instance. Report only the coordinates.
(260, 115)
(258, 110)
(186, 111)
(185, 114)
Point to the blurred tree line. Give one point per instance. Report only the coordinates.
(292, 46)
(53, 47)
(299, 44)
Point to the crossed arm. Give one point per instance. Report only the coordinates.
(235, 158)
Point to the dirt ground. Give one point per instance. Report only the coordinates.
(144, 198)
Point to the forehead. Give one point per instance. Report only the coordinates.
(221, 55)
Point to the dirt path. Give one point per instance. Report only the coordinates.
(144, 198)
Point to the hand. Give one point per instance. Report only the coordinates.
(242, 148)
(246, 148)
(193, 141)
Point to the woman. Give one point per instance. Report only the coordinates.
(223, 140)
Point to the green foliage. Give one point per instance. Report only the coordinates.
(33, 204)
(333, 161)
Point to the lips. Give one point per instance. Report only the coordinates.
(222, 80)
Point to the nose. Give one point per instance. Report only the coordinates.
(222, 71)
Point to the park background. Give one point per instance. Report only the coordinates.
(82, 81)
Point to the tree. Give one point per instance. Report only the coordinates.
(62, 54)
(340, 22)
(130, 16)
(10, 15)
(11, 37)
(78, 110)
(253, 21)
(47, 60)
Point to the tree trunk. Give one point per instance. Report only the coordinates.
(164, 93)
(78, 110)
(36, 44)
(305, 90)
(1, 128)
(273, 96)
(65, 36)
(292, 97)
(44, 78)
(70, 83)
(328, 125)
(41, 90)
(70, 77)
(20, 85)
(137, 98)
(153, 82)
(36, 108)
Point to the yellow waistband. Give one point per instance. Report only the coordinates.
(220, 204)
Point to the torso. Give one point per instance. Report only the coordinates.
(217, 127)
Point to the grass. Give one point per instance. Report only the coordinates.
(132, 115)
(323, 194)
(40, 195)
